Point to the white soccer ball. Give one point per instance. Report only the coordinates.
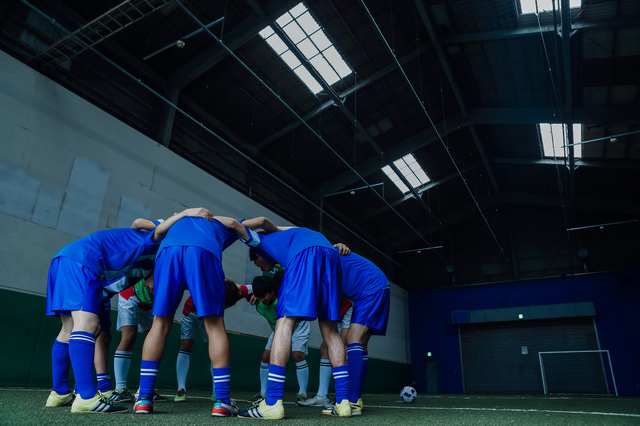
(408, 394)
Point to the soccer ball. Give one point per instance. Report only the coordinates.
(408, 394)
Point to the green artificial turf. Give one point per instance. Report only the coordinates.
(25, 406)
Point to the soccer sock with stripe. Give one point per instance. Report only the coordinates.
(264, 377)
(60, 367)
(104, 382)
(275, 387)
(354, 361)
(341, 377)
(213, 380)
(148, 372)
(302, 371)
(325, 377)
(182, 368)
(121, 364)
(82, 348)
(365, 367)
(222, 383)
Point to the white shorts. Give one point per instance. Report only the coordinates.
(129, 313)
(299, 339)
(189, 326)
(346, 320)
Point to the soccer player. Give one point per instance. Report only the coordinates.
(368, 288)
(191, 256)
(189, 325)
(78, 275)
(309, 290)
(265, 299)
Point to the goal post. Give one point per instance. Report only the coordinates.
(576, 372)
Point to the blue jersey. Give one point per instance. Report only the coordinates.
(213, 236)
(282, 246)
(360, 276)
(112, 252)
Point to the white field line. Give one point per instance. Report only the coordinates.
(410, 407)
(518, 410)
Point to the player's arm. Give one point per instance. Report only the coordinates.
(234, 226)
(141, 224)
(263, 223)
(343, 250)
(163, 228)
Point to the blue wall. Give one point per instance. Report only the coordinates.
(616, 297)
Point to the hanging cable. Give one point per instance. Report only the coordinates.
(444, 145)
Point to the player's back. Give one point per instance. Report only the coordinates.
(360, 276)
(110, 250)
(199, 232)
(282, 246)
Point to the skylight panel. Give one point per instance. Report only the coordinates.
(529, 6)
(310, 39)
(554, 138)
(410, 169)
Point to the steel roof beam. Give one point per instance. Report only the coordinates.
(359, 85)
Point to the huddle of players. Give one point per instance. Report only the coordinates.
(187, 249)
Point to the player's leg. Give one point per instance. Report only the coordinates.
(127, 325)
(355, 355)
(337, 356)
(169, 284)
(182, 363)
(221, 365)
(264, 372)
(61, 395)
(205, 279)
(101, 363)
(299, 342)
(328, 318)
(122, 359)
(103, 340)
(188, 329)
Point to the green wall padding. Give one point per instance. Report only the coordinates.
(28, 334)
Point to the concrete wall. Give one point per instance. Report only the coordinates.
(68, 169)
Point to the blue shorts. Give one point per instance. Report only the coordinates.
(372, 310)
(104, 316)
(310, 286)
(198, 270)
(72, 286)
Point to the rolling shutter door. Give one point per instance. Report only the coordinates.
(493, 359)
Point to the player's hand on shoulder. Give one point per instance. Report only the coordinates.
(343, 250)
(199, 212)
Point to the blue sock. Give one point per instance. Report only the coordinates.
(365, 367)
(222, 383)
(302, 370)
(61, 365)
(82, 348)
(264, 377)
(354, 363)
(213, 380)
(275, 387)
(341, 377)
(148, 372)
(325, 377)
(104, 382)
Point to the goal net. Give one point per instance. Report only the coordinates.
(577, 372)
